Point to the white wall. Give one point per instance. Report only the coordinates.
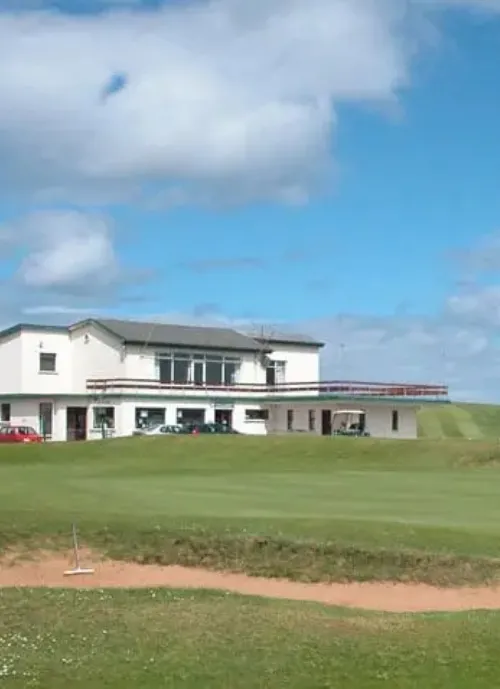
(89, 352)
(10, 364)
(25, 412)
(95, 354)
(378, 418)
(302, 363)
(34, 343)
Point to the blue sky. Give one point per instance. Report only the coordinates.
(328, 166)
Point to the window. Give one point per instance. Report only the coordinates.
(24, 430)
(198, 372)
(213, 372)
(45, 418)
(395, 421)
(47, 363)
(147, 416)
(201, 369)
(104, 417)
(190, 415)
(230, 368)
(181, 370)
(289, 419)
(312, 420)
(275, 372)
(256, 414)
(5, 411)
(165, 369)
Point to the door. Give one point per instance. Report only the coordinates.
(45, 415)
(224, 417)
(76, 423)
(326, 422)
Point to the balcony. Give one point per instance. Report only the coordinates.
(262, 392)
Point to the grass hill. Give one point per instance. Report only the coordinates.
(475, 421)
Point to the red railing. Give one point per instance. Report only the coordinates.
(348, 388)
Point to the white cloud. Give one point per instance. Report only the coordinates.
(65, 249)
(441, 350)
(59, 310)
(217, 92)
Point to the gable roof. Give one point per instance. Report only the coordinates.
(162, 334)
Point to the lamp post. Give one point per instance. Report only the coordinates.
(341, 358)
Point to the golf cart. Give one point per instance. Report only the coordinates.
(350, 422)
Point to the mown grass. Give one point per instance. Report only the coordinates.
(468, 421)
(186, 640)
(304, 508)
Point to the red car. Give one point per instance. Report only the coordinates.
(19, 434)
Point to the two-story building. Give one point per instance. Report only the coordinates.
(71, 382)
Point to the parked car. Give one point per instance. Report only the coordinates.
(19, 434)
(160, 429)
(216, 428)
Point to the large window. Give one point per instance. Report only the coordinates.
(47, 362)
(5, 411)
(165, 370)
(256, 414)
(275, 372)
(181, 370)
(104, 417)
(214, 371)
(198, 369)
(149, 416)
(190, 415)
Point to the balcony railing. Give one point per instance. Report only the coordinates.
(341, 388)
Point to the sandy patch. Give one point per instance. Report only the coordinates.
(48, 571)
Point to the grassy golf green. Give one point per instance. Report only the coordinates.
(186, 640)
(304, 508)
(471, 421)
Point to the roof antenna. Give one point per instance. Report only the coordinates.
(264, 340)
(142, 353)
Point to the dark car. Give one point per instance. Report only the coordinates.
(214, 428)
(160, 429)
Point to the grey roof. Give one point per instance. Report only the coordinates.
(286, 338)
(162, 334)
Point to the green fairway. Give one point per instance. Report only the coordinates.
(471, 421)
(298, 507)
(188, 640)
(308, 508)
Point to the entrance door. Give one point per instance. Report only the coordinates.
(326, 422)
(76, 423)
(45, 415)
(224, 417)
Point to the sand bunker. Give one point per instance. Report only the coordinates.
(48, 571)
